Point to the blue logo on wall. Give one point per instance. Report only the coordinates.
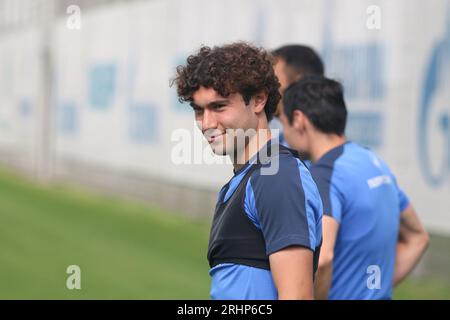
(434, 115)
(177, 106)
(25, 108)
(365, 128)
(361, 68)
(143, 126)
(102, 85)
(67, 118)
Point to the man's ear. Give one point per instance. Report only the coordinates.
(260, 100)
(299, 120)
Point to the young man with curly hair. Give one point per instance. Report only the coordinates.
(266, 232)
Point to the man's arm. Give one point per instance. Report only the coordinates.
(292, 270)
(325, 270)
(412, 242)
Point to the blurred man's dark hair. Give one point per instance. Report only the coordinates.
(302, 60)
(292, 62)
(321, 100)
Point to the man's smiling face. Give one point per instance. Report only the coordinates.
(219, 118)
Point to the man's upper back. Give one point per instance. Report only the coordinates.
(360, 192)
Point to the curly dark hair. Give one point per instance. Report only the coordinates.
(233, 68)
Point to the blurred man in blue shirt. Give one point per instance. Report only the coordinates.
(292, 62)
(372, 237)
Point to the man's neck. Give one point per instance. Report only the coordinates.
(324, 143)
(255, 143)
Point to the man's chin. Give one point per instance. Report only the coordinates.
(219, 150)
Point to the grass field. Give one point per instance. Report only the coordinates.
(126, 250)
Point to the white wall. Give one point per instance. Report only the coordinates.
(113, 106)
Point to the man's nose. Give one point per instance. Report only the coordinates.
(208, 120)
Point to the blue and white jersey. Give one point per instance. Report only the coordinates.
(287, 208)
(360, 192)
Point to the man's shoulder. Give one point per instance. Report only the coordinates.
(343, 161)
(285, 174)
(362, 160)
(276, 167)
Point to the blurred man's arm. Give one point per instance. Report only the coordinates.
(325, 270)
(411, 245)
(292, 270)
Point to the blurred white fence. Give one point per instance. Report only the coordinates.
(73, 101)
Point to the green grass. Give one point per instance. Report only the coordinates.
(423, 289)
(124, 249)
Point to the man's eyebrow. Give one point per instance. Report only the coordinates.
(210, 104)
(216, 102)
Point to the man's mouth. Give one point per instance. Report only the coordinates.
(212, 138)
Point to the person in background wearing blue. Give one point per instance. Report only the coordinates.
(266, 231)
(372, 236)
(292, 62)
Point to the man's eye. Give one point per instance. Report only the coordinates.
(218, 106)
